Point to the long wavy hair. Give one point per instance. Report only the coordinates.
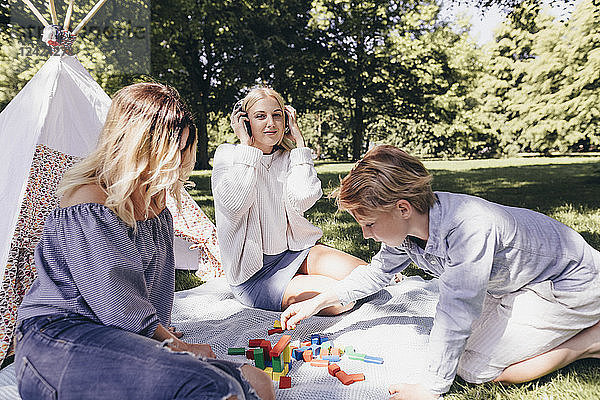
(262, 92)
(139, 148)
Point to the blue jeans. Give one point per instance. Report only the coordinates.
(67, 356)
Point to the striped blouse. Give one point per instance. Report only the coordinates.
(91, 263)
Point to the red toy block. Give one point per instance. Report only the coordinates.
(285, 382)
(266, 346)
(250, 354)
(307, 355)
(333, 369)
(357, 377)
(319, 363)
(255, 342)
(344, 377)
(305, 344)
(280, 346)
(274, 330)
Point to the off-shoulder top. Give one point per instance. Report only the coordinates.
(90, 262)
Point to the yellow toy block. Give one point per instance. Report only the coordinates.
(287, 354)
(277, 324)
(277, 375)
(269, 371)
(286, 369)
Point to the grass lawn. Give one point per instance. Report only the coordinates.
(566, 188)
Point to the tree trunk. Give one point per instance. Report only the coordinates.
(358, 133)
(202, 149)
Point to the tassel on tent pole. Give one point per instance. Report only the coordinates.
(52, 9)
(89, 16)
(35, 11)
(68, 15)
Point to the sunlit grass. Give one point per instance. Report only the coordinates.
(565, 188)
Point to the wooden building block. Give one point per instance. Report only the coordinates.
(280, 346)
(333, 369)
(307, 355)
(236, 351)
(357, 377)
(344, 377)
(259, 360)
(274, 331)
(285, 382)
(319, 363)
(254, 342)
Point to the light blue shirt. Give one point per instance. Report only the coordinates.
(476, 247)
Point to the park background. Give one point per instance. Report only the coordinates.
(514, 119)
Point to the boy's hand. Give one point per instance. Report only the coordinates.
(299, 311)
(404, 391)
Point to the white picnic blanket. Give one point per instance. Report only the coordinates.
(393, 324)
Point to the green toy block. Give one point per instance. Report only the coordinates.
(236, 351)
(277, 364)
(349, 350)
(259, 360)
(356, 356)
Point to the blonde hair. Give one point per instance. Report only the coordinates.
(139, 147)
(262, 92)
(385, 175)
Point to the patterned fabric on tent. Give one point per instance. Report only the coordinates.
(47, 169)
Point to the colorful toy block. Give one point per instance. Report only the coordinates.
(274, 331)
(333, 369)
(259, 359)
(319, 363)
(356, 356)
(277, 324)
(349, 350)
(285, 382)
(266, 346)
(357, 377)
(373, 360)
(277, 364)
(305, 344)
(331, 358)
(281, 345)
(344, 377)
(315, 338)
(250, 354)
(236, 351)
(287, 354)
(307, 355)
(269, 371)
(255, 342)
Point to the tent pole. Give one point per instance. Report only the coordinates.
(36, 13)
(89, 16)
(52, 9)
(68, 15)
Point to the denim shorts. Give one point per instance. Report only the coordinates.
(265, 289)
(67, 356)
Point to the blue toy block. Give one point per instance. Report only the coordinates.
(326, 345)
(373, 360)
(331, 358)
(315, 338)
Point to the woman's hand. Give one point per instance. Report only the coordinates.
(175, 333)
(293, 125)
(239, 127)
(404, 391)
(299, 311)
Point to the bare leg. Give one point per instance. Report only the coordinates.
(586, 344)
(321, 269)
(261, 382)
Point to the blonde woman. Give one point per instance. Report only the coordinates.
(261, 189)
(95, 322)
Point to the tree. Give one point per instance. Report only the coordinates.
(214, 50)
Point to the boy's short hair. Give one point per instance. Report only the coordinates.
(385, 175)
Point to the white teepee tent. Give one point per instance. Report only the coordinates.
(53, 122)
